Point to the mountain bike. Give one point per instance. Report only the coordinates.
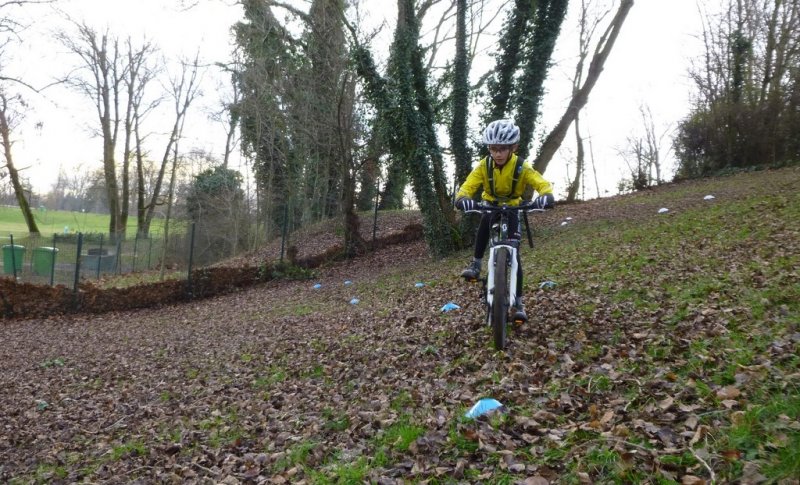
(500, 284)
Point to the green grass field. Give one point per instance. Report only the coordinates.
(60, 222)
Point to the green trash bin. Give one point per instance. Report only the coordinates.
(18, 254)
(43, 260)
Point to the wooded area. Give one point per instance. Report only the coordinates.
(331, 123)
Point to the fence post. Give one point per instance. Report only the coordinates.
(135, 247)
(375, 215)
(53, 261)
(285, 228)
(191, 261)
(118, 257)
(150, 250)
(78, 263)
(99, 256)
(13, 257)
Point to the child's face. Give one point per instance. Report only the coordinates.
(500, 153)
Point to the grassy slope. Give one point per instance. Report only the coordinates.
(714, 294)
(54, 222)
(668, 353)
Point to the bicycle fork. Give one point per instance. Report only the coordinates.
(512, 280)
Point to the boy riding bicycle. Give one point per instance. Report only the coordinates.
(503, 178)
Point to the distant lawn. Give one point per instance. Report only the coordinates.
(60, 222)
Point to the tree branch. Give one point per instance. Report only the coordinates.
(553, 140)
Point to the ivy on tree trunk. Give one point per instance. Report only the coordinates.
(458, 126)
(508, 59)
(537, 53)
(404, 112)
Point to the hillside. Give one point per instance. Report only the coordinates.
(668, 352)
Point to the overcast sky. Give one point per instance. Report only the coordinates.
(648, 65)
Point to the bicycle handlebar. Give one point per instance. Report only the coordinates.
(527, 207)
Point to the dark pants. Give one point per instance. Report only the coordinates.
(482, 240)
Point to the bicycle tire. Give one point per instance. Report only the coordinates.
(500, 299)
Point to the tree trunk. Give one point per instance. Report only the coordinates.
(142, 227)
(168, 216)
(354, 243)
(13, 173)
(501, 87)
(415, 126)
(547, 25)
(574, 186)
(110, 174)
(136, 78)
(395, 186)
(184, 91)
(428, 128)
(401, 106)
(369, 178)
(458, 126)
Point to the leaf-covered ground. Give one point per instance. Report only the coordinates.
(667, 353)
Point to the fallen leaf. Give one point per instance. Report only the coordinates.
(542, 415)
(692, 480)
(728, 392)
(751, 474)
(622, 431)
(699, 434)
(536, 480)
(731, 455)
(666, 403)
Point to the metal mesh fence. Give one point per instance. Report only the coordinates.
(69, 258)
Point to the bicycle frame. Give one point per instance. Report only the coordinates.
(497, 241)
(504, 251)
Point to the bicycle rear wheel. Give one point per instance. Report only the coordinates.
(499, 313)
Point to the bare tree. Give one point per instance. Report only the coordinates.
(7, 23)
(103, 67)
(581, 96)
(78, 184)
(746, 107)
(184, 89)
(137, 76)
(10, 28)
(230, 114)
(587, 28)
(644, 154)
(13, 106)
(145, 172)
(8, 119)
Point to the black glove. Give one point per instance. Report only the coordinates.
(465, 204)
(545, 201)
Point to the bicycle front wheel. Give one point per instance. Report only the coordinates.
(499, 311)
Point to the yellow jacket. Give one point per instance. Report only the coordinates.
(503, 178)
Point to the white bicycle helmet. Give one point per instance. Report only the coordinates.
(501, 132)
